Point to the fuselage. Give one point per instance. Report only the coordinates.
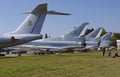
(54, 44)
(11, 40)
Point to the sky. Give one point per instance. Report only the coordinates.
(99, 13)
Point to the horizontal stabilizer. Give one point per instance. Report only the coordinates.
(56, 13)
(42, 9)
(48, 12)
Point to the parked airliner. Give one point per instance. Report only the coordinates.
(30, 29)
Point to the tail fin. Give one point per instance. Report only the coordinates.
(106, 36)
(34, 22)
(83, 30)
(105, 40)
(78, 31)
(94, 34)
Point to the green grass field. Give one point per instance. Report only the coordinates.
(91, 64)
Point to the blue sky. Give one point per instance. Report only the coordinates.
(99, 13)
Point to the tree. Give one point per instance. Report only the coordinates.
(88, 31)
(115, 37)
(103, 32)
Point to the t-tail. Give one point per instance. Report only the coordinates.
(77, 31)
(94, 34)
(34, 22)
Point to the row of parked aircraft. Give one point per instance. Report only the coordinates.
(72, 40)
(30, 30)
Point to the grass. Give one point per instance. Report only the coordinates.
(76, 64)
